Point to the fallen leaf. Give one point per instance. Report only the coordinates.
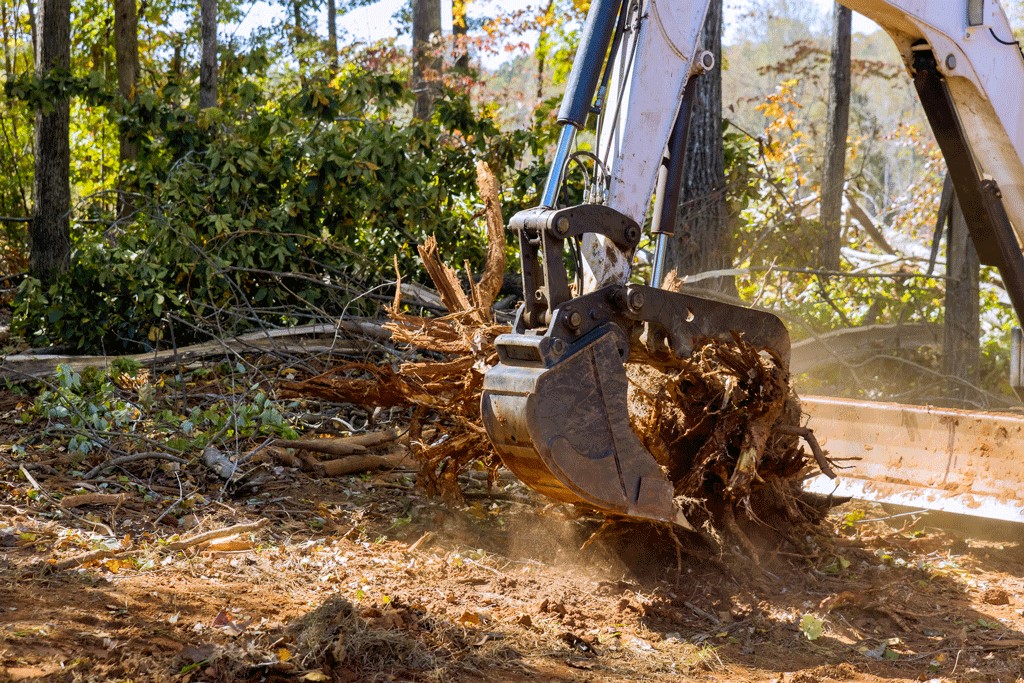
(470, 618)
(194, 654)
(284, 654)
(316, 675)
(228, 625)
(812, 626)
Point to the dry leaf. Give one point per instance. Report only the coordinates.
(470, 618)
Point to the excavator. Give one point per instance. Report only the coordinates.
(555, 405)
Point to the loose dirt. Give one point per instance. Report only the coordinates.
(365, 578)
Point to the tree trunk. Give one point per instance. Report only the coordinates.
(208, 59)
(332, 33)
(459, 32)
(126, 51)
(32, 26)
(962, 330)
(426, 64)
(49, 235)
(702, 241)
(542, 50)
(838, 125)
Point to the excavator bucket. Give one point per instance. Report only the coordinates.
(564, 430)
(555, 405)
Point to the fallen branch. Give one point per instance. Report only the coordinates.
(184, 544)
(34, 366)
(89, 558)
(357, 464)
(215, 534)
(134, 457)
(345, 445)
(80, 499)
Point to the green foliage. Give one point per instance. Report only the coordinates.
(275, 210)
(84, 403)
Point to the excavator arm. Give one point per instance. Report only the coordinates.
(555, 405)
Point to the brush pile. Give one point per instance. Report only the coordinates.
(723, 423)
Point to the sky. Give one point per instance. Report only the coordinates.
(368, 24)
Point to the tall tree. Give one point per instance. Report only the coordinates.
(332, 33)
(426, 61)
(459, 32)
(49, 234)
(208, 57)
(833, 173)
(702, 241)
(962, 328)
(126, 53)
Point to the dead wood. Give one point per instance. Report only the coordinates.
(88, 558)
(494, 270)
(443, 277)
(80, 499)
(215, 534)
(341, 446)
(133, 457)
(305, 339)
(357, 464)
(854, 343)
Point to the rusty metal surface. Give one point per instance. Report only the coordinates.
(964, 462)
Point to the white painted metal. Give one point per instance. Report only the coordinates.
(650, 71)
(985, 78)
(959, 461)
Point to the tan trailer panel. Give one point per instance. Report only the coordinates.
(964, 462)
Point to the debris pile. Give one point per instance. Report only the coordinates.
(724, 422)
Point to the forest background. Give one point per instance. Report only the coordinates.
(222, 180)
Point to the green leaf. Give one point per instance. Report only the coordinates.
(812, 626)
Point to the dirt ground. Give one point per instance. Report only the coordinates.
(365, 578)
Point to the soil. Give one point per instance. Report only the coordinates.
(366, 578)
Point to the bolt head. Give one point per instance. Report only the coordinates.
(575, 319)
(562, 225)
(636, 300)
(951, 62)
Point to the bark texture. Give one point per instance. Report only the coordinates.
(702, 241)
(426, 66)
(208, 59)
(332, 32)
(126, 53)
(49, 235)
(459, 32)
(833, 173)
(961, 346)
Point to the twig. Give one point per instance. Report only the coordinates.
(134, 457)
(702, 613)
(88, 558)
(213, 535)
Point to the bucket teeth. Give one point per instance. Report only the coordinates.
(564, 430)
